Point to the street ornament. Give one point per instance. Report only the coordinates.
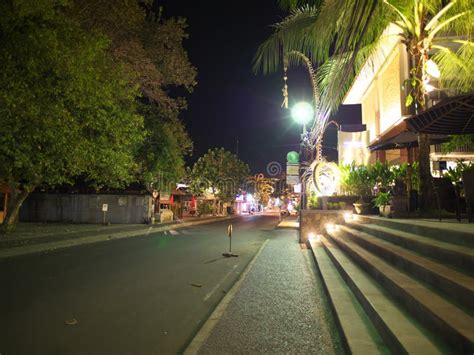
(325, 177)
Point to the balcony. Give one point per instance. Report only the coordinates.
(465, 149)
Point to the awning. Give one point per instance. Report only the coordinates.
(405, 139)
(388, 135)
(452, 116)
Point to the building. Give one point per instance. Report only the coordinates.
(385, 136)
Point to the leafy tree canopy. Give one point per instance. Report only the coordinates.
(220, 172)
(150, 46)
(151, 50)
(161, 156)
(66, 108)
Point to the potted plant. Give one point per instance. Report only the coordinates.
(359, 181)
(405, 196)
(382, 201)
(382, 175)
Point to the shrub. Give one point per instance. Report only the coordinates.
(382, 199)
(204, 208)
(313, 202)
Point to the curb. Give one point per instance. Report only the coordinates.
(37, 248)
(284, 224)
(216, 315)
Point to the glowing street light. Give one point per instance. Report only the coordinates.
(302, 113)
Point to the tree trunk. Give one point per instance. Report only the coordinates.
(16, 200)
(418, 50)
(426, 183)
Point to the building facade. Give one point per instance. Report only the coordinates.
(379, 90)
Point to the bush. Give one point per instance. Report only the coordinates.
(382, 199)
(357, 180)
(455, 175)
(403, 173)
(204, 208)
(313, 202)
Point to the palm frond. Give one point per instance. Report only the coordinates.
(434, 21)
(337, 26)
(445, 23)
(288, 36)
(456, 68)
(293, 4)
(463, 25)
(333, 81)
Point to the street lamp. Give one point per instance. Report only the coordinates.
(303, 113)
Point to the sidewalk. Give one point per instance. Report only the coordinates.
(278, 306)
(37, 237)
(291, 222)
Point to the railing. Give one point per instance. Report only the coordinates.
(465, 148)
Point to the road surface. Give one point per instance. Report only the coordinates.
(142, 295)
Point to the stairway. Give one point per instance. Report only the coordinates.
(399, 286)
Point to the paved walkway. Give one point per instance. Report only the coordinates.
(291, 222)
(278, 306)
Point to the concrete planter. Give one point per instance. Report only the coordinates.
(362, 208)
(385, 211)
(314, 221)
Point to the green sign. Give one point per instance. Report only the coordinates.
(293, 157)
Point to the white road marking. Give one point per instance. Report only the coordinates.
(214, 289)
(174, 232)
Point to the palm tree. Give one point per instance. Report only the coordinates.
(350, 30)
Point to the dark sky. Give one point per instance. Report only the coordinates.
(230, 102)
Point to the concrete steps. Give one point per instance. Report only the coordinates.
(454, 233)
(358, 333)
(400, 333)
(455, 284)
(459, 256)
(417, 290)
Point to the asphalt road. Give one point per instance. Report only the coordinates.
(133, 296)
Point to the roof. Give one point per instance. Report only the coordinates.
(454, 115)
(399, 136)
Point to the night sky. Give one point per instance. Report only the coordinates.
(230, 102)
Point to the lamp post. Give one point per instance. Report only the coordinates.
(303, 113)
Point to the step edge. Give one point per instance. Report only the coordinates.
(458, 330)
(392, 333)
(352, 345)
(440, 270)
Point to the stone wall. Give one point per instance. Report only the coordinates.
(314, 221)
(82, 208)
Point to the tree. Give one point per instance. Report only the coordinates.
(349, 30)
(219, 172)
(263, 188)
(161, 156)
(150, 48)
(66, 109)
